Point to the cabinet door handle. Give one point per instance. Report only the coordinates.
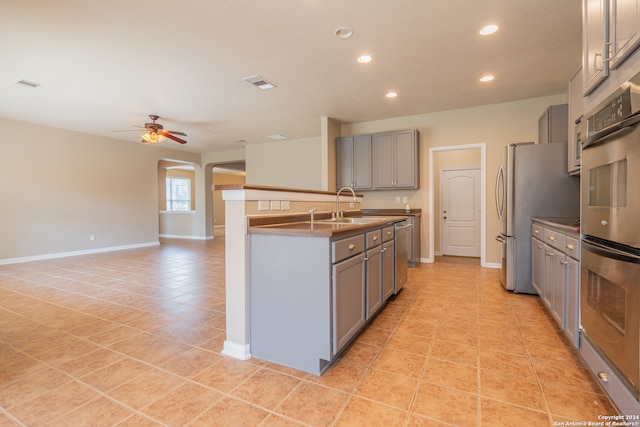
(383, 250)
(539, 247)
(388, 233)
(563, 262)
(366, 259)
(549, 253)
(375, 238)
(603, 376)
(571, 247)
(536, 231)
(352, 247)
(552, 238)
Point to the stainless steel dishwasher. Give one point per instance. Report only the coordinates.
(402, 244)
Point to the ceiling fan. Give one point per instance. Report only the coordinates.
(155, 132)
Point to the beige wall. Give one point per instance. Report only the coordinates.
(495, 125)
(62, 186)
(289, 164)
(59, 187)
(218, 203)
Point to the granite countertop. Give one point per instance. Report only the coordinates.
(300, 225)
(571, 224)
(403, 212)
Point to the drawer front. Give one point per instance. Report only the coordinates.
(345, 248)
(374, 238)
(388, 233)
(572, 247)
(555, 239)
(537, 232)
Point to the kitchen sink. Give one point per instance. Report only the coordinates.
(352, 220)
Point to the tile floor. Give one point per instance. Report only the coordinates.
(133, 338)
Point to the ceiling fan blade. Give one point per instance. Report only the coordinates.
(176, 132)
(168, 135)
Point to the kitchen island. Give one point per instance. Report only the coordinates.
(314, 285)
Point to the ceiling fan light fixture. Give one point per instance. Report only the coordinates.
(152, 138)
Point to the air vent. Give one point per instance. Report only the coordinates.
(27, 83)
(258, 81)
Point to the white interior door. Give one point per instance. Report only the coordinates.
(460, 192)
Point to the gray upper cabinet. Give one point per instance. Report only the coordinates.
(395, 156)
(576, 109)
(552, 125)
(611, 32)
(625, 29)
(380, 161)
(595, 33)
(353, 162)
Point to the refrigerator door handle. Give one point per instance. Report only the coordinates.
(500, 185)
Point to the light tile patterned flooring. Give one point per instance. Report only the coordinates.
(133, 338)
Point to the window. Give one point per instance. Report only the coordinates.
(178, 194)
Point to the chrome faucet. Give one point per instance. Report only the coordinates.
(353, 193)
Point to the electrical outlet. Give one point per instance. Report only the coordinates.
(285, 205)
(92, 237)
(263, 205)
(398, 199)
(275, 205)
(405, 199)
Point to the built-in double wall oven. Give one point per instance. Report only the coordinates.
(610, 263)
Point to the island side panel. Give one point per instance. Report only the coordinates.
(290, 300)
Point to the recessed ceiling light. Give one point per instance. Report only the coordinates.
(364, 59)
(489, 29)
(486, 78)
(277, 137)
(391, 94)
(344, 32)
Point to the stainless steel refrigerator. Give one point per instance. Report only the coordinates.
(532, 181)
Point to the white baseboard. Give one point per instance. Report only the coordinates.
(493, 265)
(235, 350)
(178, 236)
(75, 253)
(218, 230)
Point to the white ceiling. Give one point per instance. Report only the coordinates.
(107, 65)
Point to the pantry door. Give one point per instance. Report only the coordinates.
(460, 216)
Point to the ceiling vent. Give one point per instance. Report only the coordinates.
(27, 83)
(259, 82)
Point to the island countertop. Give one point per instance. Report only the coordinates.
(301, 225)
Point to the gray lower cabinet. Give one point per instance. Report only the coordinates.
(348, 296)
(388, 269)
(537, 266)
(555, 261)
(309, 296)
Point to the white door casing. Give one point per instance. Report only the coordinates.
(460, 212)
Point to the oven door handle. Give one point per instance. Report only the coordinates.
(608, 252)
(596, 137)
